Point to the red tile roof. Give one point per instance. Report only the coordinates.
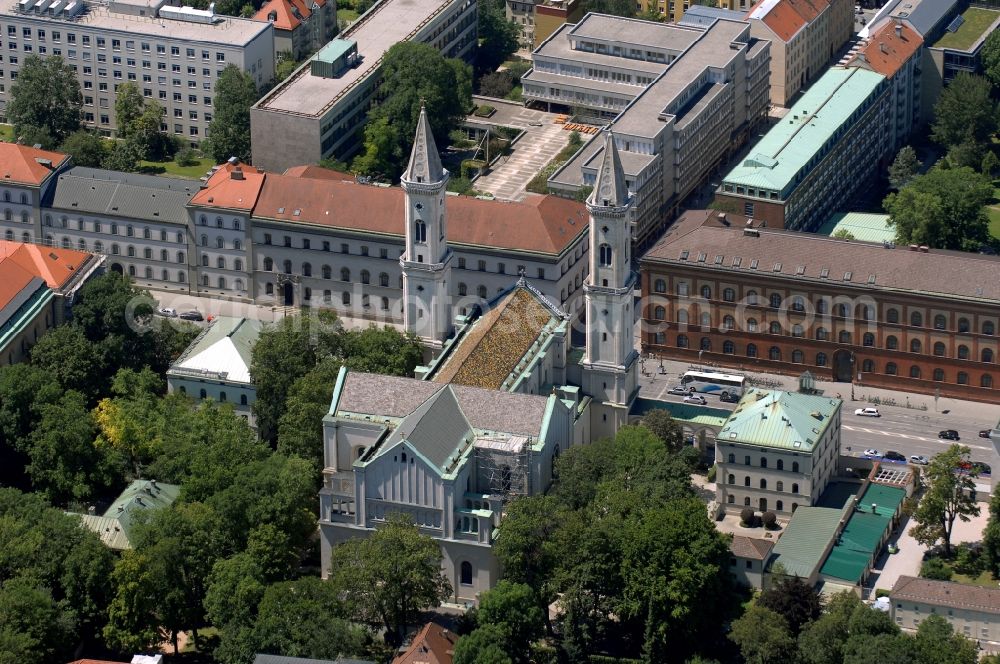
(885, 52)
(233, 187)
(318, 173)
(787, 17)
(19, 163)
(287, 15)
(13, 279)
(433, 645)
(750, 547)
(544, 224)
(56, 266)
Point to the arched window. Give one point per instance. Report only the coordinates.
(243, 400)
(706, 319)
(180, 256)
(605, 255)
(751, 350)
(203, 393)
(238, 265)
(774, 353)
(795, 469)
(916, 319)
(222, 397)
(797, 330)
(988, 327)
(163, 255)
(779, 505)
(466, 574)
(751, 324)
(891, 342)
(963, 378)
(780, 465)
(890, 369)
(220, 262)
(986, 355)
(130, 251)
(287, 264)
(914, 371)
(660, 313)
(963, 325)
(115, 250)
(366, 277)
(731, 499)
(963, 352)
(775, 301)
(915, 345)
(420, 231)
(728, 322)
(129, 231)
(752, 297)
(822, 334)
(682, 316)
(237, 245)
(181, 277)
(269, 289)
(131, 270)
(892, 315)
(385, 304)
(775, 327)
(986, 381)
(203, 240)
(345, 274)
(939, 375)
(795, 487)
(940, 322)
(238, 285)
(463, 290)
(481, 292)
(728, 347)
(938, 348)
(746, 501)
(798, 303)
(729, 295)
(706, 292)
(236, 224)
(797, 356)
(763, 462)
(326, 272)
(307, 293)
(204, 260)
(868, 339)
(268, 264)
(99, 247)
(820, 359)
(307, 270)
(222, 283)
(706, 343)
(660, 338)
(763, 483)
(660, 286)
(844, 337)
(868, 366)
(731, 478)
(682, 341)
(867, 312)
(841, 310)
(148, 272)
(732, 459)
(746, 481)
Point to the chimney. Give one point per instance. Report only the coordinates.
(91, 510)
(874, 506)
(899, 30)
(722, 219)
(237, 173)
(881, 46)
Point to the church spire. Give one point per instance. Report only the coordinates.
(609, 190)
(425, 163)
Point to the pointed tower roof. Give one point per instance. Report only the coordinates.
(425, 163)
(610, 189)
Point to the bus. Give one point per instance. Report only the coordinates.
(725, 385)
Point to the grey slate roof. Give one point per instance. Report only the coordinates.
(130, 195)
(425, 162)
(704, 16)
(436, 429)
(262, 658)
(610, 189)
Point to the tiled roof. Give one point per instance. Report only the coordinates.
(433, 645)
(287, 15)
(14, 288)
(784, 420)
(488, 353)
(317, 173)
(885, 52)
(232, 186)
(129, 195)
(787, 17)
(844, 263)
(750, 547)
(946, 593)
(282, 659)
(19, 163)
(225, 347)
(56, 266)
(543, 224)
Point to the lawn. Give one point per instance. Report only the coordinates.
(994, 215)
(985, 580)
(6, 133)
(348, 15)
(977, 22)
(171, 168)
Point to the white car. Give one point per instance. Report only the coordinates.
(872, 452)
(868, 412)
(167, 312)
(919, 459)
(696, 398)
(679, 390)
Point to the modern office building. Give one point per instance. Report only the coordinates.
(301, 27)
(755, 298)
(805, 35)
(173, 54)
(538, 19)
(831, 144)
(957, 48)
(777, 451)
(680, 100)
(319, 110)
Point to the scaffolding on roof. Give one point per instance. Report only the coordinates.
(503, 465)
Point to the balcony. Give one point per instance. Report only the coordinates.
(338, 483)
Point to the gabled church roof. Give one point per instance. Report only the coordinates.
(610, 189)
(425, 162)
(438, 430)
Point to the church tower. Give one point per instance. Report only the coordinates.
(610, 359)
(426, 262)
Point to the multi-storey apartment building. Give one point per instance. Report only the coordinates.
(777, 451)
(906, 318)
(318, 111)
(300, 27)
(805, 35)
(820, 155)
(682, 99)
(173, 54)
(972, 611)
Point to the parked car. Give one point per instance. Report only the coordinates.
(194, 314)
(167, 312)
(729, 398)
(868, 412)
(985, 433)
(696, 398)
(948, 434)
(680, 390)
(872, 452)
(894, 456)
(982, 468)
(919, 459)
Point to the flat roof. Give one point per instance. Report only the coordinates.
(227, 31)
(682, 412)
(388, 22)
(977, 23)
(862, 226)
(632, 31)
(786, 149)
(859, 541)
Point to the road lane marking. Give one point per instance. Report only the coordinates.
(924, 439)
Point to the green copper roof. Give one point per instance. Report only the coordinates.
(859, 542)
(814, 121)
(785, 420)
(682, 412)
(114, 527)
(863, 226)
(802, 545)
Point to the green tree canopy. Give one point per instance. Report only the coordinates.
(485, 645)
(948, 497)
(498, 37)
(300, 428)
(965, 112)
(30, 615)
(229, 131)
(904, 167)
(763, 637)
(663, 426)
(514, 609)
(990, 56)
(793, 599)
(86, 147)
(46, 96)
(129, 105)
(937, 643)
(991, 536)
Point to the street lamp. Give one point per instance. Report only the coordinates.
(852, 376)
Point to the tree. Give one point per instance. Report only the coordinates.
(843, 234)
(390, 576)
(229, 130)
(498, 38)
(934, 568)
(132, 620)
(965, 112)
(989, 164)
(43, 629)
(46, 96)
(485, 645)
(145, 135)
(413, 74)
(71, 358)
(613, 7)
(382, 350)
(300, 429)
(496, 84)
(86, 147)
(991, 536)
(793, 599)
(891, 648)
(129, 106)
(514, 609)
(937, 643)
(948, 497)
(990, 55)
(123, 156)
(763, 637)
(663, 426)
(943, 209)
(904, 167)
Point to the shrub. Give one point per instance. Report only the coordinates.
(968, 561)
(881, 592)
(711, 474)
(485, 111)
(186, 157)
(769, 519)
(934, 568)
(746, 517)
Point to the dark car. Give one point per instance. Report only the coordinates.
(729, 398)
(191, 315)
(948, 434)
(985, 433)
(982, 468)
(894, 456)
